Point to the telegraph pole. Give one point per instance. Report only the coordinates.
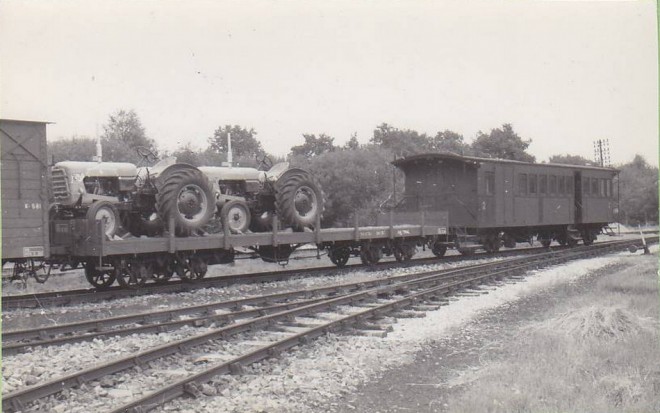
(602, 152)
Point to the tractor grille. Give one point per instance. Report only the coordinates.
(60, 184)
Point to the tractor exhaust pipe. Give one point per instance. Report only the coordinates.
(230, 155)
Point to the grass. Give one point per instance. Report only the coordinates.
(600, 352)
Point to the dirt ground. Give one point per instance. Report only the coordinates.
(461, 372)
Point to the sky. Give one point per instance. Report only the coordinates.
(563, 73)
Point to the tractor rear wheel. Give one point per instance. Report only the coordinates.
(298, 200)
(186, 197)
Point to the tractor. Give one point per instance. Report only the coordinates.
(142, 200)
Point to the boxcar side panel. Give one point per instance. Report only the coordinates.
(24, 189)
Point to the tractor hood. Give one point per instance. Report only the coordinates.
(97, 169)
(224, 173)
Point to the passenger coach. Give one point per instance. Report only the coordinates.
(495, 201)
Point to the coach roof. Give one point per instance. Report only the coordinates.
(425, 157)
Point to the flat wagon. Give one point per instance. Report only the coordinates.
(24, 196)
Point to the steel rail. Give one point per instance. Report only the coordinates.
(17, 399)
(189, 384)
(69, 297)
(13, 341)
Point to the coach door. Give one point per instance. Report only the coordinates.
(507, 195)
(577, 184)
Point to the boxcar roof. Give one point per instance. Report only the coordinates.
(476, 161)
(24, 121)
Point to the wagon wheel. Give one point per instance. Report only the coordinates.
(99, 279)
(39, 271)
(191, 269)
(370, 254)
(403, 253)
(339, 256)
(439, 250)
(162, 271)
(545, 242)
(133, 274)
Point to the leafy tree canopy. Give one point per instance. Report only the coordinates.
(401, 142)
(638, 183)
(75, 148)
(314, 146)
(352, 143)
(122, 134)
(449, 141)
(502, 143)
(354, 181)
(570, 160)
(243, 141)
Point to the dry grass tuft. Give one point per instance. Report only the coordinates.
(595, 321)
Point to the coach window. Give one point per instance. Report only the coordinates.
(569, 186)
(601, 190)
(594, 187)
(608, 188)
(522, 184)
(562, 185)
(586, 188)
(553, 184)
(543, 184)
(532, 184)
(490, 183)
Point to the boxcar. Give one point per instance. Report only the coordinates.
(24, 191)
(494, 201)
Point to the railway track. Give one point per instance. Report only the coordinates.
(290, 326)
(15, 341)
(92, 295)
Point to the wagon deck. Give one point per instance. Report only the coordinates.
(90, 242)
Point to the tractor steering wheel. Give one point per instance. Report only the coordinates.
(264, 163)
(146, 154)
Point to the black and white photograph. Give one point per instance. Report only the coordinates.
(329, 206)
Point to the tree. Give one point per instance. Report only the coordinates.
(638, 183)
(122, 134)
(352, 143)
(75, 148)
(354, 181)
(502, 143)
(449, 141)
(243, 141)
(401, 142)
(570, 160)
(314, 146)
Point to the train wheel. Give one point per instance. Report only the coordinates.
(99, 279)
(438, 249)
(39, 271)
(404, 252)
(163, 270)
(466, 252)
(133, 274)
(370, 254)
(191, 269)
(339, 256)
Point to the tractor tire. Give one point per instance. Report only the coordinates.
(139, 224)
(185, 196)
(298, 200)
(106, 212)
(236, 217)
